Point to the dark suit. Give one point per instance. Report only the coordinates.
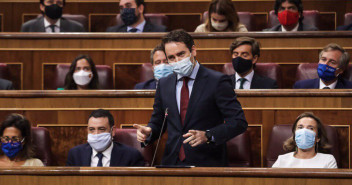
(5, 85)
(37, 25)
(148, 27)
(314, 84)
(258, 82)
(121, 155)
(150, 84)
(345, 27)
(301, 27)
(212, 102)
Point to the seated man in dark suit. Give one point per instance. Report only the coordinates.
(344, 28)
(100, 150)
(51, 21)
(290, 15)
(5, 85)
(333, 61)
(245, 54)
(161, 68)
(132, 14)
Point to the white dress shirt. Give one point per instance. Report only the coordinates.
(106, 158)
(190, 84)
(139, 28)
(294, 29)
(47, 26)
(320, 160)
(322, 85)
(247, 83)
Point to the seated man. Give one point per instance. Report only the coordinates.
(161, 68)
(344, 28)
(100, 150)
(51, 21)
(333, 61)
(245, 53)
(6, 84)
(132, 14)
(290, 15)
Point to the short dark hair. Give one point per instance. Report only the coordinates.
(63, 1)
(246, 41)
(179, 35)
(102, 113)
(159, 47)
(21, 123)
(70, 83)
(297, 3)
(139, 2)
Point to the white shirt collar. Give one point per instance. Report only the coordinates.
(294, 29)
(193, 74)
(106, 153)
(248, 77)
(139, 27)
(47, 24)
(322, 85)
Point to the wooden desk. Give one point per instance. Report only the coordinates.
(172, 176)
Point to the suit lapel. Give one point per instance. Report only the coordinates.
(255, 80)
(197, 90)
(339, 84)
(63, 25)
(147, 27)
(115, 156)
(39, 26)
(87, 155)
(316, 83)
(173, 103)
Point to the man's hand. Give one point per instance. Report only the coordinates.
(195, 137)
(143, 132)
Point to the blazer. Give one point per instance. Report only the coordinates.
(345, 27)
(258, 82)
(301, 27)
(121, 155)
(314, 84)
(148, 27)
(150, 84)
(37, 25)
(212, 102)
(6, 85)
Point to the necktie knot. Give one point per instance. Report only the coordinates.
(133, 30)
(185, 80)
(326, 88)
(242, 80)
(52, 27)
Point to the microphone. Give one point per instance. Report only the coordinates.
(161, 132)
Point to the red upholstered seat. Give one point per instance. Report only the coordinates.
(270, 70)
(348, 19)
(129, 137)
(146, 72)
(4, 72)
(239, 151)
(280, 133)
(58, 81)
(311, 17)
(246, 18)
(154, 18)
(42, 146)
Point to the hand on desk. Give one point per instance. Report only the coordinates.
(143, 132)
(195, 137)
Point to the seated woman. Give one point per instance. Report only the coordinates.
(82, 75)
(222, 17)
(308, 140)
(16, 142)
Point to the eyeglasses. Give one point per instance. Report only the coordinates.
(15, 139)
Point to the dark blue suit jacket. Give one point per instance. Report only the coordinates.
(148, 27)
(314, 84)
(344, 27)
(212, 102)
(150, 84)
(121, 155)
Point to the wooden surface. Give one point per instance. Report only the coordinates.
(65, 113)
(128, 51)
(191, 176)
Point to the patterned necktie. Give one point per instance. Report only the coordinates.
(183, 110)
(100, 162)
(52, 28)
(326, 88)
(242, 80)
(133, 30)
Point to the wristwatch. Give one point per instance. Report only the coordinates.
(209, 136)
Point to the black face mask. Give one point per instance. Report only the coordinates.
(128, 16)
(53, 11)
(241, 65)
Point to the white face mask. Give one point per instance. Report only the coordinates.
(99, 142)
(82, 77)
(183, 67)
(219, 26)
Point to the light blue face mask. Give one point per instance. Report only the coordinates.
(162, 70)
(183, 67)
(305, 138)
(99, 142)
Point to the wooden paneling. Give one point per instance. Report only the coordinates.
(1, 22)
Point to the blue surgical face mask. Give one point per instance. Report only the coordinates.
(128, 16)
(11, 149)
(326, 73)
(99, 142)
(162, 70)
(183, 67)
(305, 138)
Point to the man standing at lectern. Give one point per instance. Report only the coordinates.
(203, 112)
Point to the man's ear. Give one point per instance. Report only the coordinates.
(255, 59)
(140, 9)
(113, 131)
(194, 51)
